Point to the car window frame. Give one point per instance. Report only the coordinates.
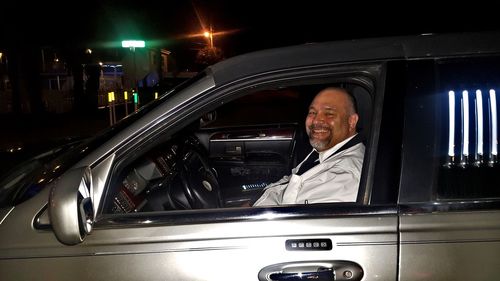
(415, 198)
(211, 98)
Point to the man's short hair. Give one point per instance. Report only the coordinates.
(350, 96)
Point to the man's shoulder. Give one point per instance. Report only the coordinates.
(352, 156)
(357, 150)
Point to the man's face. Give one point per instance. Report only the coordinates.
(330, 120)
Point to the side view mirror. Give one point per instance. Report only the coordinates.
(71, 209)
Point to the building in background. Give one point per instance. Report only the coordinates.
(57, 84)
(68, 80)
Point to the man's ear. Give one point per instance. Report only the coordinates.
(353, 120)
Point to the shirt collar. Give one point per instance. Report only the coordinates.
(325, 154)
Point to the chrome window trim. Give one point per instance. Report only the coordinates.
(100, 174)
(242, 214)
(454, 206)
(254, 139)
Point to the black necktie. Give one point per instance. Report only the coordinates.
(310, 162)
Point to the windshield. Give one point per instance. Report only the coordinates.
(30, 177)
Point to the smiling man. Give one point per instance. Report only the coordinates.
(331, 172)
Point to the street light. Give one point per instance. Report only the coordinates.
(210, 36)
(132, 44)
(210, 54)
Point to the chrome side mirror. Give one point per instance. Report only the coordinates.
(71, 209)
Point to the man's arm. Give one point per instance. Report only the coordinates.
(272, 193)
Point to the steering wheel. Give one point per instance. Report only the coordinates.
(199, 183)
(190, 182)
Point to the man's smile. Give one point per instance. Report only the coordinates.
(319, 131)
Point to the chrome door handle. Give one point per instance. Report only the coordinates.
(321, 275)
(312, 270)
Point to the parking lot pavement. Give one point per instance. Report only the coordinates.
(26, 134)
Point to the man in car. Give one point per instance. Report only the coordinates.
(331, 172)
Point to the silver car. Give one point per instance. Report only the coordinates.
(164, 194)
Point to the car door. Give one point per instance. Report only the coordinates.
(341, 241)
(450, 215)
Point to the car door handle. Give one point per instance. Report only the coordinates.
(312, 270)
(321, 275)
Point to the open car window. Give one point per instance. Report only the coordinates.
(225, 157)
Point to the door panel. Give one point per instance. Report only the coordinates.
(450, 246)
(216, 251)
(246, 160)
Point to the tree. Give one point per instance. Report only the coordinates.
(209, 55)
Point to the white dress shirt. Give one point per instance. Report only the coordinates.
(334, 179)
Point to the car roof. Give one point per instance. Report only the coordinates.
(369, 49)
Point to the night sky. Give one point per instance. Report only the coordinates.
(249, 25)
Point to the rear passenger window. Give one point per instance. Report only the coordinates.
(470, 167)
(454, 143)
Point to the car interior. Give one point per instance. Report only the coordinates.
(226, 157)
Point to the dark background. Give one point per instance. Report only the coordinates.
(252, 25)
(245, 26)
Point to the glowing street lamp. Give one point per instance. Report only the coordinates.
(210, 36)
(132, 44)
